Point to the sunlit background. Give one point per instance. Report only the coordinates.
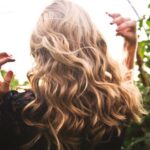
(18, 18)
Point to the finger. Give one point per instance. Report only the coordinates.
(123, 34)
(113, 15)
(128, 36)
(119, 20)
(8, 76)
(6, 84)
(118, 34)
(129, 24)
(3, 54)
(6, 59)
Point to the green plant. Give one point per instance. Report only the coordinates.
(138, 135)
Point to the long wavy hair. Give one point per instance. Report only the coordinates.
(80, 94)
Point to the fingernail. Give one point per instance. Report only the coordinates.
(10, 73)
(11, 57)
(107, 13)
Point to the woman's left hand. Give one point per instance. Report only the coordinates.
(4, 85)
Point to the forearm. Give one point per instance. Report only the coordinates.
(129, 56)
(128, 61)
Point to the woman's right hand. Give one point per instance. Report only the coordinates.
(5, 84)
(127, 29)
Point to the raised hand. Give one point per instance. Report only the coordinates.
(4, 85)
(127, 29)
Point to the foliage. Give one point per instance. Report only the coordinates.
(138, 135)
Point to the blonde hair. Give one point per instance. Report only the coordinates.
(79, 90)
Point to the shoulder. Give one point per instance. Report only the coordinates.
(11, 105)
(12, 127)
(16, 99)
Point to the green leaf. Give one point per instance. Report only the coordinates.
(25, 83)
(148, 64)
(142, 48)
(14, 84)
(140, 23)
(3, 73)
(148, 22)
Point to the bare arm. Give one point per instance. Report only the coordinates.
(127, 29)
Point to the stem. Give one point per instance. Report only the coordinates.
(137, 14)
(134, 9)
(143, 75)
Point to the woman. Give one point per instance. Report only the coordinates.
(79, 100)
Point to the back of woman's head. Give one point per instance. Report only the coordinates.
(79, 92)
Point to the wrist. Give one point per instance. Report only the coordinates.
(131, 44)
(129, 55)
(130, 47)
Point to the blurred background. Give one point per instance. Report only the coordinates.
(18, 18)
